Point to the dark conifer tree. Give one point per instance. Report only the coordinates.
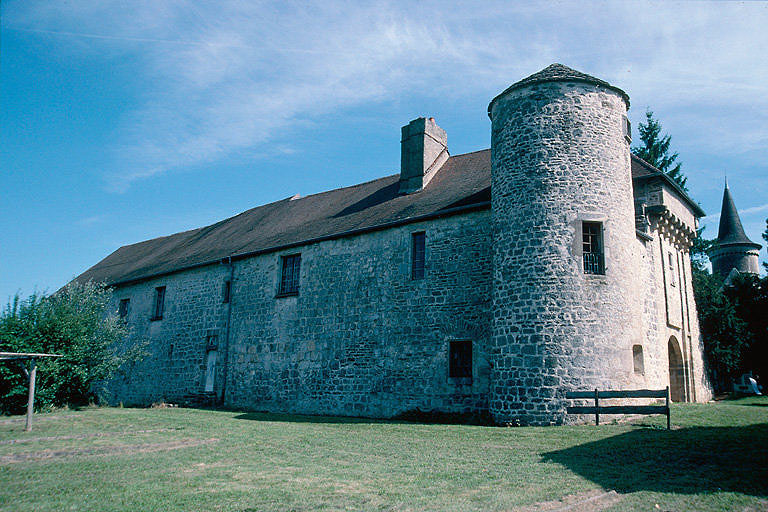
(655, 150)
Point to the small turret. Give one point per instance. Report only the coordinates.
(732, 249)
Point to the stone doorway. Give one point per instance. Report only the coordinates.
(676, 372)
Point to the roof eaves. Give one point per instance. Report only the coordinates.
(658, 173)
(354, 232)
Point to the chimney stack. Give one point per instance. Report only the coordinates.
(423, 150)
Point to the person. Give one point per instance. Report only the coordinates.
(752, 385)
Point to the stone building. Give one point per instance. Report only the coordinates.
(732, 251)
(488, 282)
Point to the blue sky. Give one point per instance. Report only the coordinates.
(123, 121)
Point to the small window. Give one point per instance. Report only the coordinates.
(592, 248)
(460, 359)
(124, 308)
(289, 277)
(227, 291)
(637, 359)
(418, 253)
(627, 126)
(159, 303)
(671, 260)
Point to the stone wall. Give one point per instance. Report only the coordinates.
(559, 158)
(669, 291)
(361, 337)
(194, 318)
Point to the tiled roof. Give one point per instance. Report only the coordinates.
(643, 170)
(559, 73)
(463, 183)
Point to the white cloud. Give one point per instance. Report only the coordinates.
(235, 76)
(90, 221)
(746, 212)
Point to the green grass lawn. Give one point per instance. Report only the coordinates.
(716, 458)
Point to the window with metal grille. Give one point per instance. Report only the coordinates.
(159, 303)
(289, 277)
(124, 308)
(592, 248)
(460, 359)
(418, 254)
(227, 291)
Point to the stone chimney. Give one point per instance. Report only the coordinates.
(423, 150)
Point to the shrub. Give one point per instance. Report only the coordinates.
(76, 322)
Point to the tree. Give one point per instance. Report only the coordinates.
(655, 150)
(765, 237)
(726, 337)
(749, 295)
(77, 322)
(699, 257)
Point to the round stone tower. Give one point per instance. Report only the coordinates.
(565, 300)
(732, 249)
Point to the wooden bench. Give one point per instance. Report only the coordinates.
(597, 409)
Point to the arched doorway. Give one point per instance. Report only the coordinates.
(676, 373)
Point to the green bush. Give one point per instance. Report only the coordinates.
(76, 322)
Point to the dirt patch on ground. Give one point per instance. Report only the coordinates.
(598, 499)
(21, 420)
(105, 450)
(85, 436)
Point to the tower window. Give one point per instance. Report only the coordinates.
(637, 359)
(627, 129)
(124, 308)
(592, 247)
(460, 359)
(418, 254)
(289, 276)
(227, 291)
(159, 303)
(671, 266)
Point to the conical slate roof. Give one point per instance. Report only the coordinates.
(731, 231)
(559, 73)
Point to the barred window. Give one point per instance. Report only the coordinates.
(289, 277)
(460, 359)
(159, 303)
(592, 248)
(124, 308)
(418, 254)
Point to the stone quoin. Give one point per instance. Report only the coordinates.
(490, 282)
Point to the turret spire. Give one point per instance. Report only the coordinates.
(731, 231)
(732, 249)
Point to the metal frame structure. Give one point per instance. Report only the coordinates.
(31, 373)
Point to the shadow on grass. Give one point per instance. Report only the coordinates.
(687, 461)
(409, 417)
(300, 418)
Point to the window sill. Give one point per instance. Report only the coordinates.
(286, 294)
